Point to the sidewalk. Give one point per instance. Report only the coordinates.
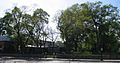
(54, 59)
(80, 60)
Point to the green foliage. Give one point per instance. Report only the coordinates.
(24, 28)
(59, 42)
(90, 26)
(83, 27)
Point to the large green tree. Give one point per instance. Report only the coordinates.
(39, 19)
(90, 26)
(24, 28)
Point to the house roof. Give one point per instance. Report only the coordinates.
(4, 38)
(48, 45)
(53, 45)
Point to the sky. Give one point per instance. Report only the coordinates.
(50, 6)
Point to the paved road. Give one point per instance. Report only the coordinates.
(52, 60)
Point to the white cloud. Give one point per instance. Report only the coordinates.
(4, 4)
(50, 6)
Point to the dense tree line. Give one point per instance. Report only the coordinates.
(83, 27)
(90, 27)
(23, 28)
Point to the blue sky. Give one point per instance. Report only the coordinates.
(50, 6)
(113, 2)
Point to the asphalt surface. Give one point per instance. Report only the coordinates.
(52, 60)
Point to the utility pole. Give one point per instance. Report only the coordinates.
(101, 44)
(101, 54)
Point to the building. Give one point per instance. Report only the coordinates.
(3, 41)
(48, 47)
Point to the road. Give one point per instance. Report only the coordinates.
(52, 60)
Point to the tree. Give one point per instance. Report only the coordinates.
(39, 19)
(52, 36)
(13, 22)
(23, 28)
(89, 24)
(105, 17)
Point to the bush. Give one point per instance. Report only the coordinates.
(85, 53)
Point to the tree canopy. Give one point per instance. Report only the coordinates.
(24, 28)
(90, 26)
(83, 27)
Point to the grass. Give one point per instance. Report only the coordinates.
(50, 56)
(85, 54)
